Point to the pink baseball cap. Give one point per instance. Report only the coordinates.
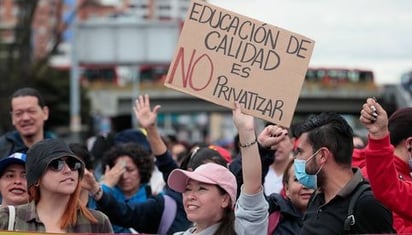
(209, 173)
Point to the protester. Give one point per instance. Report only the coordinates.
(13, 184)
(323, 161)
(53, 175)
(286, 210)
(283, 153)
(129, 167)
(389, 160)
(138, 136)
(28, 115)
(209, 192)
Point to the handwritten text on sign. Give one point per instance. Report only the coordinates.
(225, 57)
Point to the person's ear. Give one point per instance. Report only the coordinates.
(46, 113)
(324, 155)
(226, 201)
(286, 188)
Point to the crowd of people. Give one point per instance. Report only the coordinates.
(316, 177)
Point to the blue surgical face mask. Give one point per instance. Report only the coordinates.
(307, 180)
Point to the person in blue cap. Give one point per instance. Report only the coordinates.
(13, 183)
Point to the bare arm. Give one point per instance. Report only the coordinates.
(251, 164)
(147, 119)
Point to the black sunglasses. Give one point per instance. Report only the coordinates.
(58, 164)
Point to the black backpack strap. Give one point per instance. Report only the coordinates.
(273, 201)
(350, 219)
(148, 189)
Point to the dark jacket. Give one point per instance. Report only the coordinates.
(11, 142)
(144, 217)
(267, 157)
(291, 219)
(166, 165)
(371, 217)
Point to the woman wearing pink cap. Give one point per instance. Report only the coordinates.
(209, 192)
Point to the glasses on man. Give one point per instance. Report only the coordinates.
(58, 164)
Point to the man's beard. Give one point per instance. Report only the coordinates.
(321, 178)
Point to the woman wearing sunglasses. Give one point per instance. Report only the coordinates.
(53, 175)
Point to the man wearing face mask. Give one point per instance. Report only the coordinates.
(324, 162)
(388, 160)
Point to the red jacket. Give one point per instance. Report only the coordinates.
(391, 181)
(359, 160)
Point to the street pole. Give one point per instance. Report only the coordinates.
(75, 119)
(135, 73)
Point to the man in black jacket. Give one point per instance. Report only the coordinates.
(28, 114)
(324, 162)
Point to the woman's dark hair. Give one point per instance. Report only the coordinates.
(227, 223)
(141, 158)
(399, 125)
(285, 177)
(180, 157)
(202, 155)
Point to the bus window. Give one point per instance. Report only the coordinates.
(366, 76)
(311, 75)
(153, 73)
(100, 74)
(331, 78)
(353, 76)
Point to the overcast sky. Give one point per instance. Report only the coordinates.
(373, 34)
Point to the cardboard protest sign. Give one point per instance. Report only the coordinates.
(225, 57)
